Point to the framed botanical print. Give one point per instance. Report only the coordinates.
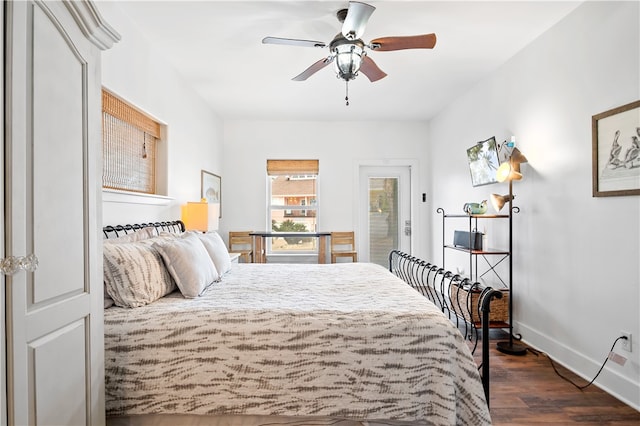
(616, 151)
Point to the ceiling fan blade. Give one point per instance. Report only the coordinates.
(356, 19)
(293, 42)
(371, 70)
(317, 66)
(425, 41)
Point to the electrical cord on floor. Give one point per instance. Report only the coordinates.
(569, 380)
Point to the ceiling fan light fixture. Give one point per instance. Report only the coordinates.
(348, 57)
(348, 61)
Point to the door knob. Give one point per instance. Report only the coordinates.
(12, 264)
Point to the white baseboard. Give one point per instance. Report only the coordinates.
(612, 382)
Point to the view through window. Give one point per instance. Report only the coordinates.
(293, 204)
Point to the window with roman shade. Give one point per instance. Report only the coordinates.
(293, 204)
(129, 147)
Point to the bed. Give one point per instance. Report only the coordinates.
(296, 344)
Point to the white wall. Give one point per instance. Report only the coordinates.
(576, 258)
(339, 146)
(133, 70)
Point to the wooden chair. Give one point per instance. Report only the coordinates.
(343, 244)
(241, 242)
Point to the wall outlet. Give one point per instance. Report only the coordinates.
(626, 343)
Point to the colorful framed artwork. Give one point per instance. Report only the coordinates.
(211, 188)
(616, 151)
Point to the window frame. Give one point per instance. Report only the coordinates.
(118, 109)
(299, 170)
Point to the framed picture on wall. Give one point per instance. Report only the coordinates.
(211, 189)
(616, 151)
(483, 162)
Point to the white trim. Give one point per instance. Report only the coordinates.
(611, 381)
(91, 23)
(116, 196)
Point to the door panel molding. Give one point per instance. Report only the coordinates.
(64, 84)
(49, 360)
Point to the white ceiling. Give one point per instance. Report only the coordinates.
(217, 46)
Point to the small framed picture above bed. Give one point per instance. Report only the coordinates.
(211, 189)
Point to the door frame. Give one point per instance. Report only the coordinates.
(412, 164)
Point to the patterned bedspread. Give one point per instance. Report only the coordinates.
(339, 340)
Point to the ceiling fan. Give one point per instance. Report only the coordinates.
(347, 50)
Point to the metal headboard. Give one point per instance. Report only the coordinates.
(175, 226)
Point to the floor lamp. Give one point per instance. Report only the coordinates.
(510, 170)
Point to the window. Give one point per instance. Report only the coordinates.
(293, 204)
(129, 147)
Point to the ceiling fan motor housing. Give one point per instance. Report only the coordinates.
(341, 15)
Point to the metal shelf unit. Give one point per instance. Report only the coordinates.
(492, 257)
(488, 254)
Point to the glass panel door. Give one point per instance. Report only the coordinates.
(383, 218)
(386, 216)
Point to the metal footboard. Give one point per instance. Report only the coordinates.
(436, 284)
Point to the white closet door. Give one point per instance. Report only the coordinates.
(54, 322)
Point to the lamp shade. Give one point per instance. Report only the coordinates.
(200, 216)
(508, 171)
(517, 157)
(498, 201)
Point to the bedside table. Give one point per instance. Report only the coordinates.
(234, 257)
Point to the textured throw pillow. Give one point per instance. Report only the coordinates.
(188, 263)
(217, 251)
(134, 274)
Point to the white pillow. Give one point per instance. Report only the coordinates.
(134, 274)
(188, 263)
(217, 251)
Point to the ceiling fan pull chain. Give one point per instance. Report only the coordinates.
(346, 98)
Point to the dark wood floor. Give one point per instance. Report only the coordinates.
(525, 390)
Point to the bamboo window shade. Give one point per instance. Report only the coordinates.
(129, 142)
(292, 167)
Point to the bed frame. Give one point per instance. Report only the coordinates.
(116, 231)
(433, 282)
